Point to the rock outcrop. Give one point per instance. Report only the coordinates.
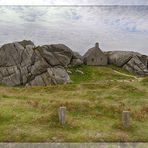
(21, 63)
(24, 64)
(132, 61)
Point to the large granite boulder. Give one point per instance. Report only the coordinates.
(131, 61)
(56, 54)
(21, 63)
(76, 59)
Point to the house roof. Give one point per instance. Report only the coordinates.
(93, 50)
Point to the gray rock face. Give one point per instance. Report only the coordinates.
(76, 59)
(21, 63)
(132, 61)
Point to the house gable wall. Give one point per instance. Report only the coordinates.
(96, 58)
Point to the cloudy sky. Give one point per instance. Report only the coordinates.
(74, 2)
(122, 27)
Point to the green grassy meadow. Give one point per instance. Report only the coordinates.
(94, 100)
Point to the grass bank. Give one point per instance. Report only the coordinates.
(95, 101)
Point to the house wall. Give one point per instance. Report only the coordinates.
(96, 59)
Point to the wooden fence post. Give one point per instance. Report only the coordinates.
(126, 119)
(62, 115)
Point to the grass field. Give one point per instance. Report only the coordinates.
(94, 101)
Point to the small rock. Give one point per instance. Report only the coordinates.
(69, 72)
(79, 71)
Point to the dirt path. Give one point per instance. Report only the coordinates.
(135, 77)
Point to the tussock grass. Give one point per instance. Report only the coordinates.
(145, 81)
(94, 101)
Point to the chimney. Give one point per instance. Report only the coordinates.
(97, 45)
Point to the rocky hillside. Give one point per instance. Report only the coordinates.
(21, 63)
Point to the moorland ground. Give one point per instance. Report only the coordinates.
(95, 101)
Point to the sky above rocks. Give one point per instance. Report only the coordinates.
(121, 25)
(74, 2)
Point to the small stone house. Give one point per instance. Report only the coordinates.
(94, 56)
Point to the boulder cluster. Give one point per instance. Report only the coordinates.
(21, 63)
(24, 64)
(131, 61)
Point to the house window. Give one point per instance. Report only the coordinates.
(92, 59)
(101, 59)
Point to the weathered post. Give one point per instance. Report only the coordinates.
(126, 119)
(62, 115)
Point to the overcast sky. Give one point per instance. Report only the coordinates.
(74, 2)
(114, 27)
